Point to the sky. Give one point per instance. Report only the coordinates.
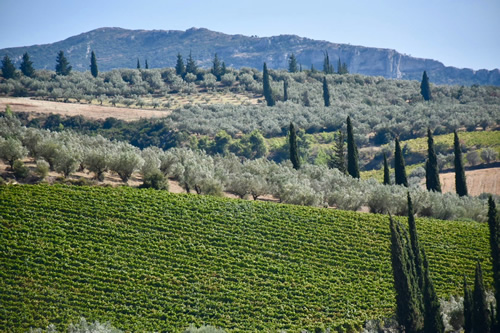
(460, 33)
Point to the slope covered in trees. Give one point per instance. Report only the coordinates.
(149, 260)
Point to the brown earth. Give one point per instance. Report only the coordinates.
(478, 181)
(25, 104)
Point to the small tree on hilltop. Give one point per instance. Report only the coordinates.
(26, 66)
(292, 64)
(8, 69)
(62, 65)
(268, 93)
(460, 181)
(93, 65)
(352, 152)
(425, 89)
(399, 166)
(294, 153)
(431, 166)
(326, 92)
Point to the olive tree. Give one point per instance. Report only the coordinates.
(11, 150)
(124, 162)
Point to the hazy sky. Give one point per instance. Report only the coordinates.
(461, 33)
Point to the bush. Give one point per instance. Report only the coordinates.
(155, 179)
(20, 170)
(42, 169)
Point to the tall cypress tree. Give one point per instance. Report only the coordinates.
(480, 315)
(467, 308)
(62, 64)
(460, 181)
(352, 152)
(27, 66)
(425, 89)
(146, 66)
(417, 257)
(433, 322)
(268, 93)
(285, 90)
(387, 176)
(294, 153)
(337, 159)
(8, 69)
(326, 92)
(180, 69)
(93, 65)
(138, 64)
(327, 67)
(399, 166)
(191, 66)
(292, 64)
(494, 225)
(216, 68)
(431, 167)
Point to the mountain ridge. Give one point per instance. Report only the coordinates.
(121, 48)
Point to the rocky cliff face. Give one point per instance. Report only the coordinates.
(120, 48)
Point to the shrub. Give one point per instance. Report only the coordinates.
(21, 171)
(155, 179)
(42, 169)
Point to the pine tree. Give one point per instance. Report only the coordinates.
(337, 159)
(467, 308)
(285, 90)
(408, 305)
(138, 64)
(294, 153)
(8, 69)
(399, 166)
(431, 167)
(62, 64)
(352, 152)
(415, 247)
(494, 225)
(433, 322)
(387, 176)
(216, 68)
(180, 69)
(224, 69)
(480, 315)
(460, 181)
(146, 66)
(27, 66)
(191, 66)
(327, 67)
(425, 89)
(342, 67)
(268, 93)
(93, 65)
(292, 64)
(326, 92)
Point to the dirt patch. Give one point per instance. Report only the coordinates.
(25, 104)
(478, 181)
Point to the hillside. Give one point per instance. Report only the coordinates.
(150, 260)
(120, 48)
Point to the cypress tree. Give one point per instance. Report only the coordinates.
(326, 92)
(216, 68)
(138, 64)
(294, 153)
(146, 66)
(285, 90)
(494, 225)
(268, 93)
(191, 65)
(180, 69)
(425, 89)
(352, 152)
(431, 167)
(408, 306)
(224, 69)
(292, 64)
(337, 160)
(433, 323)
(460, 182)
(93, 65)
(27, 66)
(467, 308)
(480, 315)
(399, 166)
(417, 257)
(387, 176)
(327, 67)
(8, 69)
(62, 64)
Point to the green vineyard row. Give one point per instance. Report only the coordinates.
(156, 261)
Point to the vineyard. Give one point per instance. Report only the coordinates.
(152, 260)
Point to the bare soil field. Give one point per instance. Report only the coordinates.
(478, 181)
(25, 104)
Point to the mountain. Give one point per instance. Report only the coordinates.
(120, 48)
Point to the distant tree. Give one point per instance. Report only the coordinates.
(326, 92)
(415, 247)
(387, 176)
(26, 66)
(480, 311)
(224, 69)
(431, 166)
(191, 66)
(327, 67)
(460, 181)
(425, 88)
(352, 151)
(337, 160)
(467, 308)
(433, 322)
(313, 70)
(222, 143)
(146, 66)
(292, 64)
(8, 69)
(12, 150)
(489, 155)
(399, 166)
(216, 68)
(342, 68)
(285, 90)
(93, 65)
(268, 93)
(138, 64)
(180, 69)
(62, 65)
(294, 153)
(494, 226)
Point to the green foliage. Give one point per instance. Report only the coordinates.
(154, 261)
(327, 67)
(399, 166)
(26, 66)
(93, 65)
(12, 149)
(292, 64)
(326, 93)
(494, 226)
(8, 69)
(387, 176)
(42, 169)
(352, 152)
(216, 68)
(191, 66)
(468, 308)
(180, 69)
(20, 170)
(294, 152)
(480, 312)
(155, 179)
(433, 322)
(266, 87)
(337, 159)
(425, 89)
(460, 181)
(62, 65)
(431, 168)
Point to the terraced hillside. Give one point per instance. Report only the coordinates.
(151, 260)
